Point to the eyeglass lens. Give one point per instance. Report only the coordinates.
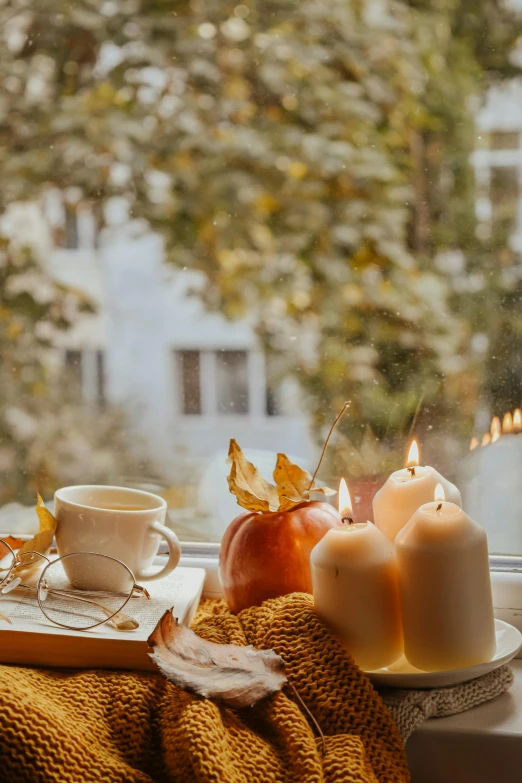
(83, 589)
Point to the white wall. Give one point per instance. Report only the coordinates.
(144, 314)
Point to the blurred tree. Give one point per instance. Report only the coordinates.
(311, 159)
(46, 438)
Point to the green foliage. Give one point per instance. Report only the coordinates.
(311, 159)
(47, 439)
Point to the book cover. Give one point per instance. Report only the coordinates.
(31, 640)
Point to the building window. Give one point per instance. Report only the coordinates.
(86, 370)
(504, 196)
(100, 378)
(221, 383)
(73, 365)
(505, 140)
(189, 363)
(232, 382)
(274, 371)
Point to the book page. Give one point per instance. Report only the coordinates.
(179, 590)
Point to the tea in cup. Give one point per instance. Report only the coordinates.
(124, 523)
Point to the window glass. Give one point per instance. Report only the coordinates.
(189, 369)
(100, 378)
(505, 140)
(505, 196)
(73, 364)
(232, 382)
(275, 375)
(225, 220)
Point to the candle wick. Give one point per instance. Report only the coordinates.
(347, 520)
(439, 507)
(412, 471)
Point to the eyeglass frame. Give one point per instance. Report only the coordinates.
(142, 592)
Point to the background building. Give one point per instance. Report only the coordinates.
(189, 379)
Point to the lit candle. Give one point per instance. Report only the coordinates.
(507, 424)
(473, 443)
(490, 481)
(355, 586)
(517, 420)
(445, 586)
(495, 429)
(407, 489)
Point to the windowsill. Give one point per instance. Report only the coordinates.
(482, 745)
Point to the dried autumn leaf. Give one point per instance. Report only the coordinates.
(47, 520)
(236, 676)
(294, 485)
(252, 491)
(42, 541)
(14, 543)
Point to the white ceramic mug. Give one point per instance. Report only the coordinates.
(123, 523)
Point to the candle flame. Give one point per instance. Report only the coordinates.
(517, 420)
(486, 438)
(473, 444)
(345, 501)
(413, 455)
(507, 423)
(439, 493)
(495, 429)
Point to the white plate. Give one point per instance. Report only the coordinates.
(401, 674)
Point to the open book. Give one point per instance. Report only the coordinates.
(31, 640)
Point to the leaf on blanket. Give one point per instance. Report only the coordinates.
(236, 676)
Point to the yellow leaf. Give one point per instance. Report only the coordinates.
(47, 520)
(252, 491)
(290, 479)
(42, 541)
(14, 330)
(266, 204)
(297, 170)
(294, 485)
(286, 503)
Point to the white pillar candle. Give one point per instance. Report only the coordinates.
(445, 588)
(405, 490)
(356, 591)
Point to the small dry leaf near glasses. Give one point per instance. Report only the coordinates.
(236, 676)
(14, 543)
(41, 542)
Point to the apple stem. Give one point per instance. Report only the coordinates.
(303, 705)
(334, 425)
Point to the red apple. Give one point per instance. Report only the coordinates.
(267, 554)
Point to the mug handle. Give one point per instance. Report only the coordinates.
(174, 554)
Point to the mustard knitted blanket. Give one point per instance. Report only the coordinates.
(112, 727)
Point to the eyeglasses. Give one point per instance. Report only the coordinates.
(78, 591)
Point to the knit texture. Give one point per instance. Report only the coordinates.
(128, 727)
(410, 708)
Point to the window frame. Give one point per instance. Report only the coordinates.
(210, 551)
